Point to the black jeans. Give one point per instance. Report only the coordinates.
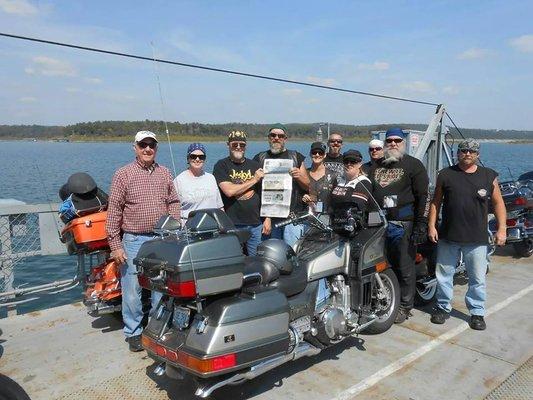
(401, 253)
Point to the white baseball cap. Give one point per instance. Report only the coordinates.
(375, 143)
(141, 135)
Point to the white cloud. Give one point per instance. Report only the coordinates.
(28, 99)
(475, 54)
(418, 86)
(72, 90)
(95, 81)
(523, 43)
(18, 7)
(48, 66)
(291, 92)
(321, 81)
(453, 90)
(375, 66)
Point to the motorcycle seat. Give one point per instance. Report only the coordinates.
(293, 283)
(260, 265)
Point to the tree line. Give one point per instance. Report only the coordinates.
(99, 130)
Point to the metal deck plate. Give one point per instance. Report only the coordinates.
(519, 386)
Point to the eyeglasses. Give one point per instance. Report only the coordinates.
(277, 135)
(391, 140)
(335, 141)
(466, 151)
(373, 149)
(197, 157)
(317, 153)
(237, 145)
(144, 145)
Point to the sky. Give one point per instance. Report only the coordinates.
(476, 57)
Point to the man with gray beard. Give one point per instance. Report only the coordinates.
(277, 138)
(401, 188)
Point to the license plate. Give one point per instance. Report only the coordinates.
(181, 317)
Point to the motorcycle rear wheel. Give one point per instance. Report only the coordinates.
(387, 315)
(523, 248)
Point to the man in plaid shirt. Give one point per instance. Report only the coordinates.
(141, 192)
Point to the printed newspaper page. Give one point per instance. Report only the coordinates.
(277, 188)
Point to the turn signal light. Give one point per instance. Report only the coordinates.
(520, 201)
(186, 360)
(181, 289)
(207, 365)
(381, 266)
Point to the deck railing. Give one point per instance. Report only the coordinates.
(26, 231)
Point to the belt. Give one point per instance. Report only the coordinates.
(141, 233)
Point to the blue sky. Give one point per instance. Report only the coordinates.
(474, 56)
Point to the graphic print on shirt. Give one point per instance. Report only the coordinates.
(385, 176)
(241, 177)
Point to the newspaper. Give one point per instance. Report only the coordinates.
(277, 188)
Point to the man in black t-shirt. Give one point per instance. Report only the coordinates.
(333, 160)
(277, 137)
(464, 190)
(400, 184)
(238, 179)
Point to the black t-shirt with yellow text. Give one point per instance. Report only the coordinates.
(244, 209)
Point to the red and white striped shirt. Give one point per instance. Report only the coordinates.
(139, 197)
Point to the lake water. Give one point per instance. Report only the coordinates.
(34, 171)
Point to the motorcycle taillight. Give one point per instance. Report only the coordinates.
(511, 222)
(144, 281)
(520, 201)
(181, 289)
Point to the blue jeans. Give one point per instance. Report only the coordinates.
(289, 233)
(255, 238)
(132, 311)
(475, 259)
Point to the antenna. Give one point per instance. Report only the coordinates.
(156, 72)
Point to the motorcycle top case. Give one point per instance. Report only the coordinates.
(86, 234)
(214, 263)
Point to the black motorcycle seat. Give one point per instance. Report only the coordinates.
(260, 265)
(292, 284)
(242, 234)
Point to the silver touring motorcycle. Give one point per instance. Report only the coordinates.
(226, 318)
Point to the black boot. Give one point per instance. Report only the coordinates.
(403, 314)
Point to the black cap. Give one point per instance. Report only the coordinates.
(352, 155)
(318, 146)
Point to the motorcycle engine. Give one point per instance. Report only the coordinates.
(333, 311)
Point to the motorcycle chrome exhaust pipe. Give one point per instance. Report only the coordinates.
(303, 349)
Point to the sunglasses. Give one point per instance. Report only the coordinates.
(277, 135)
(317, 153)
(373, 149)
(237, 145)
(391, 140)
(350, 162)
(466, 151)
(335, 141)
(197, 157)
(144, 145)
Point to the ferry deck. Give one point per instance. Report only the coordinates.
(63, 353)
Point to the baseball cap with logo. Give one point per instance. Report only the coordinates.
(237, 136)
(141, 135)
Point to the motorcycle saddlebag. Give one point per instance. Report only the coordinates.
(236, 332)
(86, 234)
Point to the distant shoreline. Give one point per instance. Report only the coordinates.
(211, 139)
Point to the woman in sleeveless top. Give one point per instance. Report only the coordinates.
(320, 179)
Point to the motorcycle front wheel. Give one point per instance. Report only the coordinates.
(388, 306)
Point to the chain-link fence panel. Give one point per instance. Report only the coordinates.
(19, 238)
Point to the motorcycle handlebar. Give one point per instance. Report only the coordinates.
(283, 223)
